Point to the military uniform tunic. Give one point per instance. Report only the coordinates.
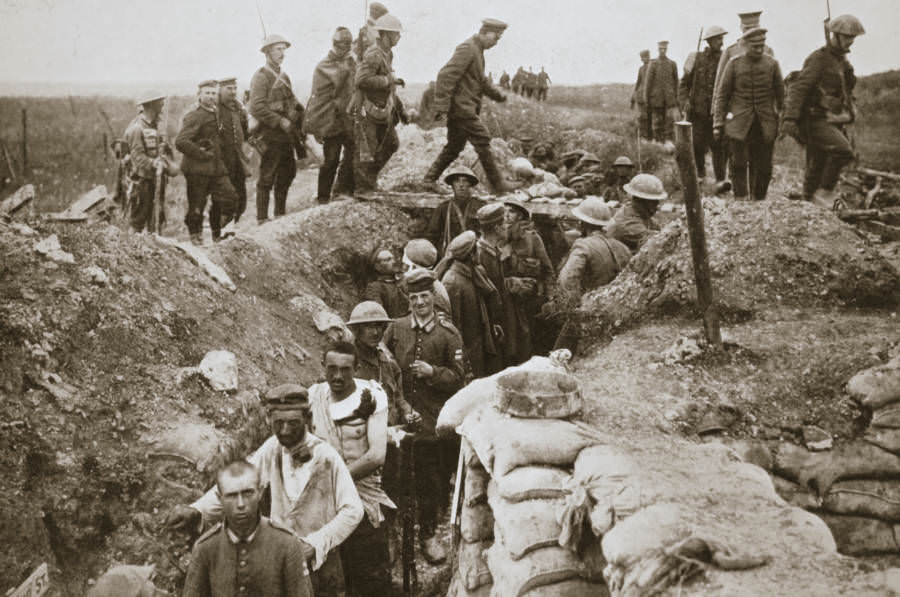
(143, 146)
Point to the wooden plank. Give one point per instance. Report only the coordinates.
(88, 201)
(35, 585)
(886, 232)
(881, 173)
(17, 200)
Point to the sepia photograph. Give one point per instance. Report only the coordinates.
(406, 298)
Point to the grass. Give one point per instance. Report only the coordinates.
(67, 155)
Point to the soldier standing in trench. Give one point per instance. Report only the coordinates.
(461, 83)
(633, 225)
(233, 131)
(492, 223)
(278, 115)
(453, 216)
(661, 94)
(429, 349)
(203, 165)
(820, 105)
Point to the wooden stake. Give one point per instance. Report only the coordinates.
(684, 156)
(24, 142)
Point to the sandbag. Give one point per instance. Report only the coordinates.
(649, 529)
(504, 443)
(458, 588)
(865, 497)
(533, 483)
(476, 523)
(878, 386)
(482, 391)
(125, 581)
(887, 416)
(475, 487)
(610, 476)
(819, 470)
(857, 536)
(884, 437)
(571, 588)
(523, 527)
(539, 394)
(794, 494)
(473, 569)
(544, 567)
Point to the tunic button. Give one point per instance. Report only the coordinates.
(243, 589)
(243, 563)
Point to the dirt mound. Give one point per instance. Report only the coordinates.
(94, 367)
(762, 255)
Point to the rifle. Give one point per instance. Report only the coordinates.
(160, 178)
(825, 24)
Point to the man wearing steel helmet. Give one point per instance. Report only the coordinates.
(312, 491)
(622, 171)
(819, 106)
(633, 224)
(278, 113)
(376, 105)
(460, 86)
(327, 118)
(696, 94)
(456, 214)
(752, 90)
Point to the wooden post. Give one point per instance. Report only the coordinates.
(684, 156)
(105, 148)
(24, 142)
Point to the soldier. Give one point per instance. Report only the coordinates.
(543, 84)
(386, 289)
(460, 86)
(492, 222)
(146, 154)
(352, 416)
(504, 80)
(278, 114)
(327, 117)
(623, 170)
(528, 275)
(429, 350)
(695, 94)
(569, 160)
(531, 83)
(820, 105)
(419, 253)
(752, 89)
(661, 93)
(542, 156)
(633, 224)
(368, 34)
(368, 321)
(518, 80)
(232, 132)
(637, 98)
(376, 105)
(312, 491)
(594, 260)
(471, 293)
(203, 165)
(247, 554)
(456, 214)
(580, 185)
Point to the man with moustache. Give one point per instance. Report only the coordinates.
(457, 214)
(246, 554)
(232, 132)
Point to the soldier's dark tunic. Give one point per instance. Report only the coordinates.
(637, 98)
(387, 292)
(451, 219)
(204, 171)
(269, 563)
(529, 274)
(438, 343)
(460, 85)
(632, 227)
(233, 131)
(489, 257)
(816, 98)
(696, 91)
(328, 120)
(660, 95)
(271, 99)
(143, 146)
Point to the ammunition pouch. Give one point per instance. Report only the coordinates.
(375, 113)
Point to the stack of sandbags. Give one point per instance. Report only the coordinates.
(521, 439)
(855, 488)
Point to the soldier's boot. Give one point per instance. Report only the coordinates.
(280, 202)
(444, 159)
(262, 204)
(495, 179)
(824, 198)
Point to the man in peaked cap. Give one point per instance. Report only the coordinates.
(429, 350)
(246, 553)
(492, 224)
(368, 34)
(328, 119)
(203, 165)
(637, 97)
(460, 86)
(661, 93)
(279, 117)
(420, 253)
(232, 132)
(313, 493)
(456, 214)
(752, 89)
(146, 153)
(696, 97)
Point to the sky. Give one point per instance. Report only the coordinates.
(132, 42)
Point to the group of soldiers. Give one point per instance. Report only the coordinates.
(738, 102)
(528, 83)
(352, 111)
